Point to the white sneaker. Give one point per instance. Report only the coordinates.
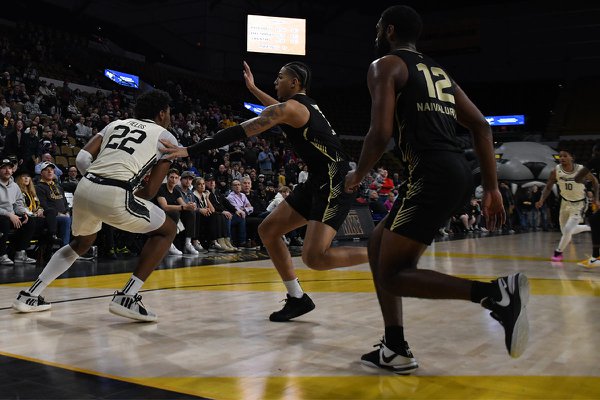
(189, 249)
(21, 257)
(218, 246)
(26, 302)
(174, 250)
(198, 247)
(130, 307)
(402, 363)
(590, 263)
(5, 260)
(229, 246)
(511, 311)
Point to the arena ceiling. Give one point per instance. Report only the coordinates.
(208, 36)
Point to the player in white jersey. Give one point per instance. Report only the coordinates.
(573, 201)
(113, 164)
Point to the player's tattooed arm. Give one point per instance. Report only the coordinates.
(268, 118)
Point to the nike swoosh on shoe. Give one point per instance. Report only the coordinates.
(505, 301)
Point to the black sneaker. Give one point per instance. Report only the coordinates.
(293, 308)
(401, 363)
(511, 311)
(26, 303)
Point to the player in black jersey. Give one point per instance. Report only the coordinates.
(591, 172)
(415, 100)
(321, 203)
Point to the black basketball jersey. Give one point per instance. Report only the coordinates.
(425, 117)
(316, 142)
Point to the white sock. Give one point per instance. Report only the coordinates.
(294, 289)
(133, 286)
(188, 241)
(59, 263)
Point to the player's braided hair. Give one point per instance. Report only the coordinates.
(301, 71)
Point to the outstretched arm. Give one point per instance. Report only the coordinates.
(259, 94)
(290, 112)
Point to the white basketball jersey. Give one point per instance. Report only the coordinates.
(129, 149)
(569, 189)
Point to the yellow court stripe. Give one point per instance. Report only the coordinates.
(386, 387)
(230, 278)
(363, 387)
(450, 254)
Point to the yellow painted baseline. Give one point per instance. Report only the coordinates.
(365, 387)
(451, 254)
(230, 278)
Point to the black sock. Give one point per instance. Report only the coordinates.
(481, 290)
(394, 336)
(596, 251)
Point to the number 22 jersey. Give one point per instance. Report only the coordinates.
(129, 149)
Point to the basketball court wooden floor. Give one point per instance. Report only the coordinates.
(213, 338)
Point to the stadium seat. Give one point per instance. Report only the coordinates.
(62, 162)
(66, 150)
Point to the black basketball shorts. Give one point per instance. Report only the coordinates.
(322, 197)
(439, 184)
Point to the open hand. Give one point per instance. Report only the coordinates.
(173, 151)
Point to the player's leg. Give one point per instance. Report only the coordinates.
(318, 254)
(85, 226)
(594, 260)
(161, 232)
(30, 300)
(570, 218)
(282, 220)
(393, 347)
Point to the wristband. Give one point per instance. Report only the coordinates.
(219, 139)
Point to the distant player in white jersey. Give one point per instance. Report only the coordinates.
(573, 201)
(113, 164)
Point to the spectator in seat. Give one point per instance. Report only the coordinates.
(52, 196)
(223, 179)
(17, 143)
(47, 158)
(266, 159)
(170, 199)
(250, 155)
(242, 209)
(70, 181)
(37, 215)
(34, 149)
(303, 175)
(222, 206)
(211, 226)
(378, 210)
(13, 215)
(389, 202)
(259, 204)
(387, 184)
(83, 130)
(188, 217)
